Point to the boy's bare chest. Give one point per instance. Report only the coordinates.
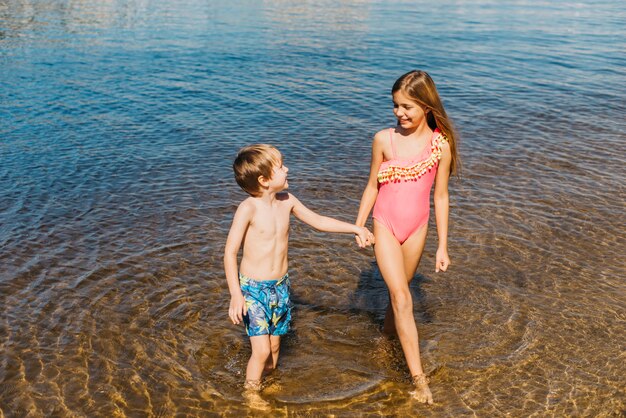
(272, 222)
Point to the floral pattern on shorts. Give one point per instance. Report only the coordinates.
(268, 305)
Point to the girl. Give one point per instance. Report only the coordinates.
(406, 160)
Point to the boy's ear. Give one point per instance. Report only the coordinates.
(264, 182)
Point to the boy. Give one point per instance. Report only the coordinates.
(259, 291)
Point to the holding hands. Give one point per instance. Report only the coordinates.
(363, 237)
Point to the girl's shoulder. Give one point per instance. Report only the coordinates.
(444, 143)
(381, 137)
(383, 134)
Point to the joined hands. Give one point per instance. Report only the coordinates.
(364, 237)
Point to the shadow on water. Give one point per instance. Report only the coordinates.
(372, 296)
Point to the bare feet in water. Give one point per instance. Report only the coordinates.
(252, 396)
(422, 391)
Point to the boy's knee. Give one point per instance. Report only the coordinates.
(275, 349)
(261, 353)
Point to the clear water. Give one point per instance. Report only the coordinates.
(118, 125)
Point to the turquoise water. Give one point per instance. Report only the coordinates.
(118, 125)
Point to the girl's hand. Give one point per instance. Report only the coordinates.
(442, 260)
(237, 309)
(361, 236)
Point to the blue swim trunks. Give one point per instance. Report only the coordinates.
(268, 305)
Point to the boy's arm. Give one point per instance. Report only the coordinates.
(242, 219)
(326, 224)
(442, 208)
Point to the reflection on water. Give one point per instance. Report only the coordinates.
(116, 194)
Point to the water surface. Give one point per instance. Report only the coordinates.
(119, 123)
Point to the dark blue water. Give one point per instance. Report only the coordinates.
(119, 122)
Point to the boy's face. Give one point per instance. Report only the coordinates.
(278, 182)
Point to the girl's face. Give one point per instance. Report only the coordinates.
(409, 113)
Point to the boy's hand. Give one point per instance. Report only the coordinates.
(442, 260)
(362, 236)
(237, 309)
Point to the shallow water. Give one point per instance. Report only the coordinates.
(119, 124)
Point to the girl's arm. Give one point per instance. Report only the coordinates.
(326, 224)
(243, 216)
(371, 188)
(442, 208)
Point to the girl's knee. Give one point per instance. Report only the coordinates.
(401, 300)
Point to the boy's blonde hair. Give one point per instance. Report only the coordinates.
(254, 161)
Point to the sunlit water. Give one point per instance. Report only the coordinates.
(119, 122)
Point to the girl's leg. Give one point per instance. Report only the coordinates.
(272, 360)
(261, 350)
(390, 260)
(412, 250)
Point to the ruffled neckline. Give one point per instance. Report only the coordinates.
(414, 167)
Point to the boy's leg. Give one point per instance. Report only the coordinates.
(261, 353)
(272, 360)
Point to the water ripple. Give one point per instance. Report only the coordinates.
(120, 123)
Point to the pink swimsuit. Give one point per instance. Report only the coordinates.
(404, 184)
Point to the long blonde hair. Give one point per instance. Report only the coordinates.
(421, 88)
